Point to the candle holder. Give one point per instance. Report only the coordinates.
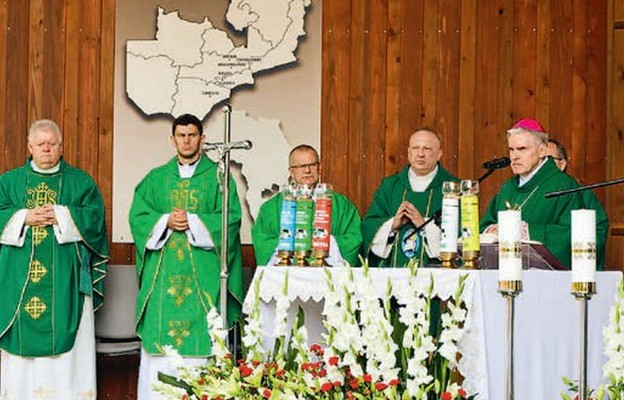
(285, 258)
(301, 258)
(583, 280)
(319, 257)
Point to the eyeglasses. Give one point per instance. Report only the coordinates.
(304, 166)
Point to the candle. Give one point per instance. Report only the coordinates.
(583, 246)
(509, 245)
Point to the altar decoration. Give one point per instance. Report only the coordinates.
(373, 348)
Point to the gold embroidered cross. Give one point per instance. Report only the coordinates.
(37, 271)
(39, 234)
(180, 288)
(179, 330)
(35, 307)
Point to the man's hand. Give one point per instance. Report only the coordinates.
(41, 216)
(178, 220)
(407, 212)
(491, 229)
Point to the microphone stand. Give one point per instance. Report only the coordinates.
(438, 214)
(581, 188)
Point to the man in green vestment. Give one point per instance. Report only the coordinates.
(558, 153)
(403, 203)
(175, 219)
(346, 238)
(53, 253)
(544, 220)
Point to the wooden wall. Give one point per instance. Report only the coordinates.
(469, 68)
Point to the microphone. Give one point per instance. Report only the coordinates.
(497, 163)
(242, 145)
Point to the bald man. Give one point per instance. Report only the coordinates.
(403, 203)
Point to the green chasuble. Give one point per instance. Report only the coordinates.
(391, 193)
(44, 282)
(549, 220)
(345, 227)
(178, 282)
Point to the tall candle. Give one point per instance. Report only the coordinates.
(509, 245)
(583, 246)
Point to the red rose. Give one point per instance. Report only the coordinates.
(337, 383)
(381, 386)
(461, 392)
(326, 387)
(333, 360)
(367, 378)
(394, 382)
(446, 396)
(280, 373)
(322, 373)
(266, 393)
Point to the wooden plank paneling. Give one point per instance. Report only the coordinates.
(468, 68)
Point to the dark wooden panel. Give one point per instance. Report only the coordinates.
(4, 33)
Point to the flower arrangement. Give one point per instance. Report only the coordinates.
(613, 370)
(401, 358)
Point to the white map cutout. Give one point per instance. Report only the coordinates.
(275, 150)
(191, 67)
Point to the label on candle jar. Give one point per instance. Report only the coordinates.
(303, 224)
(287, 224)
(322, 224)
(470, 223)
(450, 224)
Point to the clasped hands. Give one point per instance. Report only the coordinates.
(41, 216)
(178, 220)
(406, 213)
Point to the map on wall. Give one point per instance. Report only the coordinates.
(254, 56)
(197, 65)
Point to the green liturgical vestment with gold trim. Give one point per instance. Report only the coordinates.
(407, 244)
(178, 282)
(43, 282)
(549, 220)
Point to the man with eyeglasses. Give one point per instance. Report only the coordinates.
(559, 154)
(175, 219)
(393, 229)
(346, 238)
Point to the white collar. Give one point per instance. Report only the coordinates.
(522, 180)
(420, 183)
(51, 170)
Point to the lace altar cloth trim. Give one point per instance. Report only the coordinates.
(310, 284)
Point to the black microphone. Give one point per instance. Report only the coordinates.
(497, 163)
(242, 145)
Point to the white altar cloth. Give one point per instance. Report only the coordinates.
(546, 323)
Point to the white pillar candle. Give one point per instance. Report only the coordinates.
(509, 245)
(583, 246)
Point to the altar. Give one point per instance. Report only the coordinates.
(547, 323)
